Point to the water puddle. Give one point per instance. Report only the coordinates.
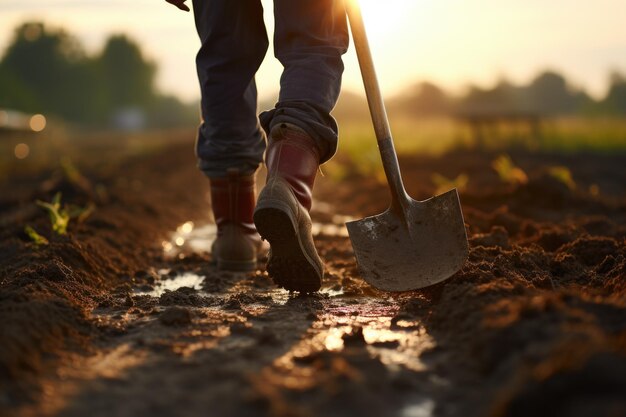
(341, 322)
(423, 408)
(327, 229)
(191, 238)
(368, 324)
(331, 292)
(166, 283)
(334, 224)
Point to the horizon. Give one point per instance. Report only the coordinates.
(167, 36)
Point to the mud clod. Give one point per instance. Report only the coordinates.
(185, 296)
(354, 337)
(498, 236)
(175, 316)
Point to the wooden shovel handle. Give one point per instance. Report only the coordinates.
(376, 104)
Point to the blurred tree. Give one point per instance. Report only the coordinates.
(504, 97)
(129, 77)
(615, 101)
(15, 94)
(49, 72)
(550, 93)
(169, 111)
(426, 99)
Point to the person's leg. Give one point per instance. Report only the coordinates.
(230, 142)
(309, 39)
(234, 43)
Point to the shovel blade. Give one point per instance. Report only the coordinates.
(421, 245)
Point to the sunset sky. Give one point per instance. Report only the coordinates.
(451, 42)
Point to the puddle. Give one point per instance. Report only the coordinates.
(423, 408)
(187, 279)
(331, 292)
(190, 238)
(335, 316)
(328, 229)
(322, 207)
(335, 224)
(394, 347)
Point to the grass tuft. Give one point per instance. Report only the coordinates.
(35, 237)
(59, 217)
(444, 184)
(508, 172)
(563, 175)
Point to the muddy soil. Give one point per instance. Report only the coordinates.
(126, 316)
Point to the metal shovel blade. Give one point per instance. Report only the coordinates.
(412, 247)
(414, 244)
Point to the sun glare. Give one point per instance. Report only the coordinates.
(382, 18)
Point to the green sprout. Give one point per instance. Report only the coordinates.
(508, 172)
(59, 216)
(73, 175)
(37, 239)
(444, 184)
(80, 213)
(563, 175)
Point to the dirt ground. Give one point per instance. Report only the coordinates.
(125, 315)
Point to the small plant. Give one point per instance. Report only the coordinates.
(74, 176)
(80, 213)
(444, 184)
(37, 239)
(508, 172)
(564, 175)
(59, 216)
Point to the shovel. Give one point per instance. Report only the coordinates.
(414, 244)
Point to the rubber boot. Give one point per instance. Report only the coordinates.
(238, 245)
(282, 212)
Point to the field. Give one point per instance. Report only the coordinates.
(124, 315)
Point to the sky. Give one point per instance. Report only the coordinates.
(450, 42)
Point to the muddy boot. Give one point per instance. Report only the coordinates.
(238, 245)
(282, 212)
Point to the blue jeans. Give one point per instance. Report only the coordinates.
(310, 38)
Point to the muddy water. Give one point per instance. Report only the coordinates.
(165, 283)
(190, 237)
(239, 345)
(366, 320)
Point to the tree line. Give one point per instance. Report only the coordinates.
(549, 94)
(48, 71)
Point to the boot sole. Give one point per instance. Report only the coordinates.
(289, 265)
